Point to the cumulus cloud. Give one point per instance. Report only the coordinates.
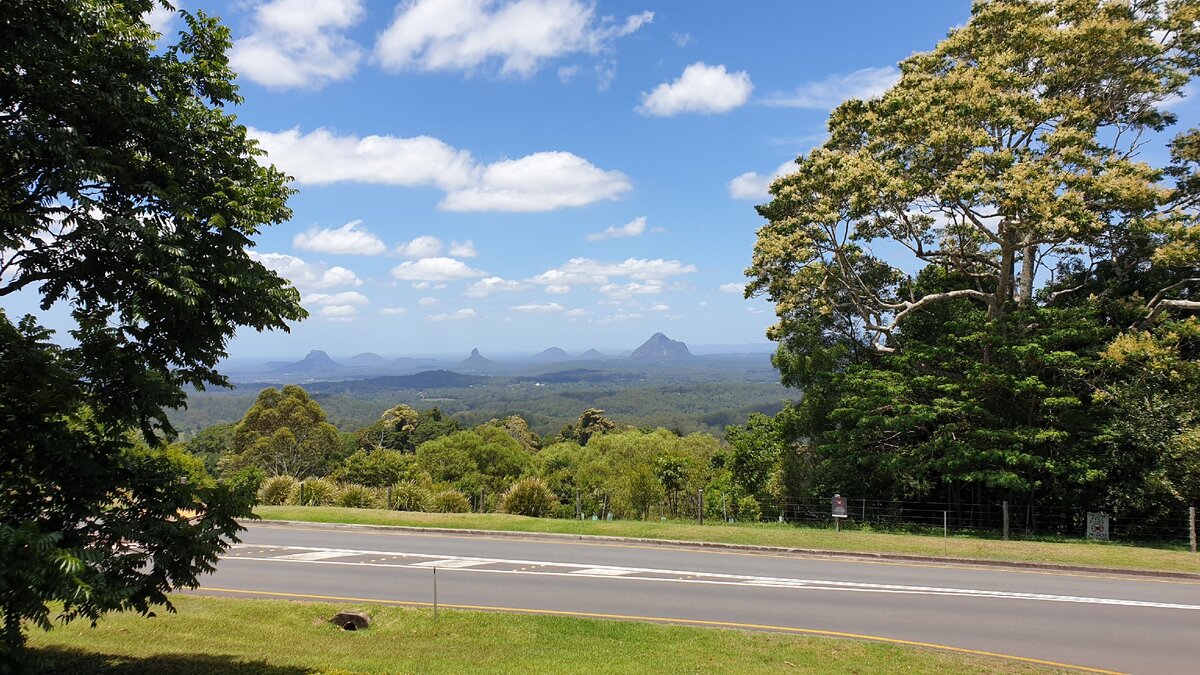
(830, 92)
(299, 44)
(426, 285)
(631, 229)
(577, 313)
(347, 239)
(587, 272)
(162, 20)
(337, 313)
(701, 89)
(558, 289)
(485, 287)
(732, 288)
(428, 301)
(435, 269)
(621, 316)
(453, 316)
(546, 308)
(627, 291)
(660, 308)
(425, 246)
(464, 250)
(754, 185)
(344, 298)
(542, 181)
(305, 275)
(516, 38)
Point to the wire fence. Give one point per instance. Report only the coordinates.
(987, 520)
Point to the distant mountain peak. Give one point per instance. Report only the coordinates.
(660, 346)
(591, 354)
(552, 354)
(317, 355)
(475, 361)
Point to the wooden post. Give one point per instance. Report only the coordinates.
(435, 604)
(724, 509)
(864, 516)
(700, 511)
(1005, 506)
(1192, 526)
(301, 493)
(578, 507)
(389, 498)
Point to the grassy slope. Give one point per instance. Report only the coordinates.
(1092, 554)
(279, 637)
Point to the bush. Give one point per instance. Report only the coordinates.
(529, 497)
(411, 497)
(316, 492)
(357, 497)
(748, 510)
(277, 490)
(451, 501)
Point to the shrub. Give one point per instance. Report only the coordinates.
(315, 492)
(277, 490)
(748, 510)
(357, 497)
(451, 501)
(529, 497)
(411, 497)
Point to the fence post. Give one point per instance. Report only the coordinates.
(389, 498)
(864, 517)
(301, 493)
(945, 533)
(1192, 526)
(724, 509)
(700, 511)
(1005, 505)
(578, 507)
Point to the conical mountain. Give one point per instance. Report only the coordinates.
(660, 346)
(366, 359)
(552, 354)
(591, 354)
(475, 361)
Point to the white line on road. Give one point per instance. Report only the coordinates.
(324, 556)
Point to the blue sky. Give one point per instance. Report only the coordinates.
(515, 175)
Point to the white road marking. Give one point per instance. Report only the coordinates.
(326, 556)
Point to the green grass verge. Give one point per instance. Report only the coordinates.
(1091, 554)
(275, 637)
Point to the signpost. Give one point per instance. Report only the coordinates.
(1097, 526)
(840, 510)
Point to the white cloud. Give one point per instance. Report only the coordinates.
(343, 298)
(464, 250)
(577, 313)
(485, 287)
(518, 36)
(542, 181)
(425, 286)
(393, 311)
(660, 308)
(558, 289)
(682, 39)
(347, 239)
(621, 316)
(435, 269)
(631, 229)
(162, 20)
(425, 246)
(732, 288)
(547, 308)
(627, 291)
(830, 92)
(701, 89)
(753, 185)
(453, 316)
(337, 312)
(567, 73)
(305, 275)
(587, 272)
(299, 44)
(428, 301)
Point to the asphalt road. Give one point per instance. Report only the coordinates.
(1091, 621)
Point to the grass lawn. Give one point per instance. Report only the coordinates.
(1092, 554)
(276, 637)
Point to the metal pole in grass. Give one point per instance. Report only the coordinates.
(1192, 526)
(945, 533)
(435, 617)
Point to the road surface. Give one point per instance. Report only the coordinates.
(1092, 621)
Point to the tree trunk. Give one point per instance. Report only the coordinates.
(1028, 260)
(1003, 293)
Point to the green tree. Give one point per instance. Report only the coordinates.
(284, 433)
(380, 468)
(129, 196)
(393, 430)
(211, 444)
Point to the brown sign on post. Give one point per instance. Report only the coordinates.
(840, 510)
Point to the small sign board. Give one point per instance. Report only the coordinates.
(840, 510)
(1097, 526)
